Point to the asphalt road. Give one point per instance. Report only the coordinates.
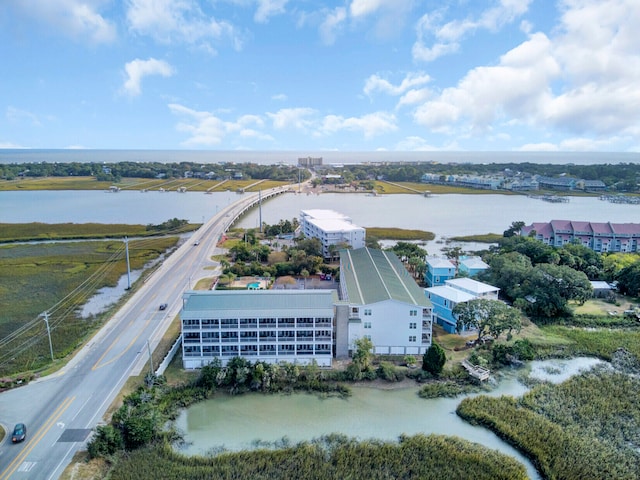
(61, 410)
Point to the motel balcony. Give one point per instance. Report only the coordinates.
(249, 325)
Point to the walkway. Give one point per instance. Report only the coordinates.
(476, 371)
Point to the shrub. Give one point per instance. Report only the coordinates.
(106, 442)
(434, 359)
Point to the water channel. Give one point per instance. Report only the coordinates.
(252, 420)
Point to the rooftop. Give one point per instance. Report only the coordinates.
(243, 300)
(451, 294)
(373, 276)
(477, 288)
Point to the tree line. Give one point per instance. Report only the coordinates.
(119, 170)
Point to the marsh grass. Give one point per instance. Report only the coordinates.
(399, 234)
(33, 278)
(331, 457)
(90, 183)
(586, 427)
(482, 238)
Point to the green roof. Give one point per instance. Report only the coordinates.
(267, 300)
(372, 276)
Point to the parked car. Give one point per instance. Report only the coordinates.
(19, 433)
(163, 306)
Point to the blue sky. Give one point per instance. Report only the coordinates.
(351, 75)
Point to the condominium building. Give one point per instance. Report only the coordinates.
(331, 228)
(380, 300)
(294, 326)
(600, 237)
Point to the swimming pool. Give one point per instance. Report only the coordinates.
(253, 286)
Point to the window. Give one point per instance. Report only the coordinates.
(413, 313)
(209, 323)
(413, 325)
(191, 323)
(367, 324)
(367, 311)
(412, 338)
(191, 337)
(368, 337)
(191, 351)
(354, 310)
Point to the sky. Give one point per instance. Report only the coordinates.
(307, 75)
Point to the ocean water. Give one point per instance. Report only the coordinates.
(291, 157)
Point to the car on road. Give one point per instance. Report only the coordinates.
(196, 243)
(19, 433)
(163, 306)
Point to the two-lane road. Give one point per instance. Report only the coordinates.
(61, 410)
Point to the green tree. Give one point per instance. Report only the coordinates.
(514, 229)
(362, 354)
(106, 441)
(434, 359)
(487, 316)
(549, 288)
(629, 280)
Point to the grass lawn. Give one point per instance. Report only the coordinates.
(598, 306)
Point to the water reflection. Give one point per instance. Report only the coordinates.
(247, 421)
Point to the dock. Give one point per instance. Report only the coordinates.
(476, 371)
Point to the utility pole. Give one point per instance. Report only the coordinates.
(150, 358)
(126, 245)
(46, 321)
(260, 207)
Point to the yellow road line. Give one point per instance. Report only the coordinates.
(37, 437)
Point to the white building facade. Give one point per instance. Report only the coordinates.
(294, 326)
(383, 303)
(331, 228)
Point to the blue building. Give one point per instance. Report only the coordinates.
(439, 270)
(445, 297)
(472, 266)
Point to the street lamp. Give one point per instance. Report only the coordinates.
(46, 321)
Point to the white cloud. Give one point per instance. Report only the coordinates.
(137, 69)
(582, 79)
(17, 115)
(206, 129)
(76, 18)
(331, 24)
(269, 8)
(178, 20)
(370, 125)
(376, 83)
(297, 118)
(203, 128)
(9, 145)
(415, 144)
(414, 97)
(447, 36)
(601, 66)
(517, 87)
(361, 8)
(281, 97)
